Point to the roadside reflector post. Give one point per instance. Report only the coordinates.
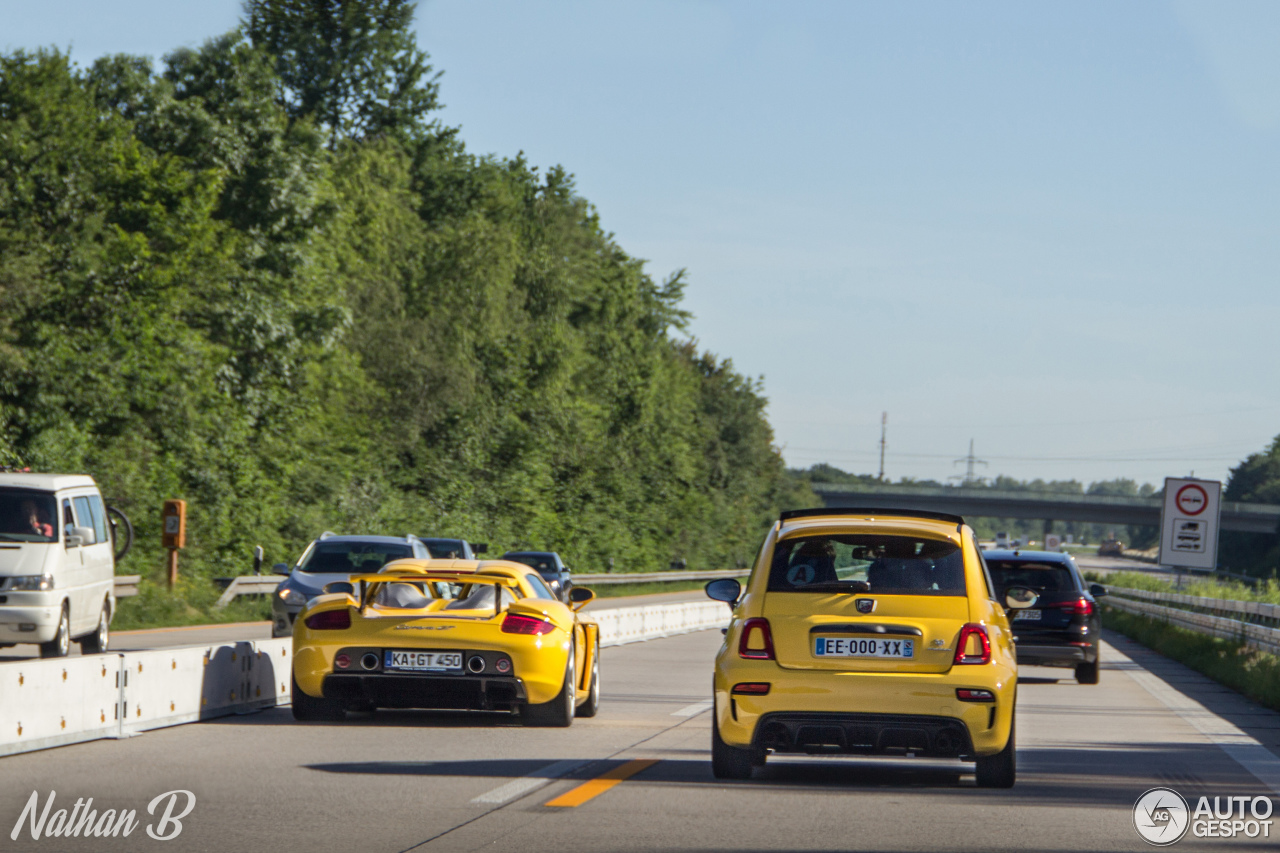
(175, 534)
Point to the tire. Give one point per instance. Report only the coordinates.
(729, 762)
(60, 645)
(96, 643)
(119, 522)
(591, 704)
(558, 713)
(308, 709)
(1087, 673)
(1000, 770)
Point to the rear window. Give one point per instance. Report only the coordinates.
(353, 557)
(1042, 577)
(884, 565)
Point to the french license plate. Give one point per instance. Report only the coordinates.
(1027, 616)
(841, 647)
(424, 661)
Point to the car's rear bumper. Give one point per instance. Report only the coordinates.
(1055, 654)
(863, 734)
(447, 692)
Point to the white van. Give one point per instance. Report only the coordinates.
(57, 565)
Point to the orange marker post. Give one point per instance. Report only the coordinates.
(175, 534)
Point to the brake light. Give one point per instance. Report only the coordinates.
(329, 620)
(756, 642)
(1079, 607)
(518, 624)
(751, 688)
(965, 695)
(973, 646)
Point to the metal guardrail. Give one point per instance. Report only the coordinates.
(656, 577)
(1252, 622)
(127, 585)
(249, 585)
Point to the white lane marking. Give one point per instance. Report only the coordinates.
(1234, 741)
(695, 708)
(525, 784)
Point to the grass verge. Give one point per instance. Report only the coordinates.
(1253, 673)
(190, 603)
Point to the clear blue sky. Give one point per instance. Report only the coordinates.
(1051, 227)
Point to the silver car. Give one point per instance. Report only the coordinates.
(333, 558)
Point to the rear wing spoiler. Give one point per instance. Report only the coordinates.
(370, 583)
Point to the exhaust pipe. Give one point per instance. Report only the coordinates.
(369, 661)
(475, 663)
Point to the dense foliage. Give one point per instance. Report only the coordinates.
(264, 280)
(1255, 480)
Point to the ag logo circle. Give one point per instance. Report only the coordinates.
(1161, 816)
(800, 575)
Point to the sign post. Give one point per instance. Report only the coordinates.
(1189, 523)
(175, 534)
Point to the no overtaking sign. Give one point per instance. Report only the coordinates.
(1189, 523)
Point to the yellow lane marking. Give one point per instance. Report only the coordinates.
(597, 786)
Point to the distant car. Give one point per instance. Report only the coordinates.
(549, 566)
(1064, 628)
(455, 549)
(333, 558)
(504, 643)
(1111, 548)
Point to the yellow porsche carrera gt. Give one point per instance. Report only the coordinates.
(447, 634)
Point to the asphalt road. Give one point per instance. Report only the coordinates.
(399, 781)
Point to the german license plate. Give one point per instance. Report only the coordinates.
(423, 661)
(842, 647)
(1027, 616)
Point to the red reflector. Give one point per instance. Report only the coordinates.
(752, 688)
(342, 661)
(1082, 645)
(975, 695)
(517, 624)
(329, 620)
(504, 666)
(756, 642)
(1079, 607)
(980, 633)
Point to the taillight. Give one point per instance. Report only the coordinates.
(329, 620)
(751, 688)
(1079, 607)
(966, 695)
(973, 647)
(342, 661)
(756, 642)
(518, 624)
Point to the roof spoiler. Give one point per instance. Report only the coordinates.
(787, 515)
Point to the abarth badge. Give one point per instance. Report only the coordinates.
(865, 605)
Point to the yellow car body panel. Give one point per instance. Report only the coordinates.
(925, 686)
(538, 661)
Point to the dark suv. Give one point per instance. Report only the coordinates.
(1064, 628)
(550, 566)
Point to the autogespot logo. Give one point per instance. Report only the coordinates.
(1161, 816)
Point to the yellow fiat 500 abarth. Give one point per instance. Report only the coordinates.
(447, 634)
(867, 632)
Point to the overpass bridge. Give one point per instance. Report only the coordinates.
(1048, 506)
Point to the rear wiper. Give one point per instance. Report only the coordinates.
(836, 586)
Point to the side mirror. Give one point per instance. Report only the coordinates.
(1020, 597)
(1097, 590)
(340, 586)
(479, 547)
(281, 569)
(80, 536)
(727, 590)
(580, 597)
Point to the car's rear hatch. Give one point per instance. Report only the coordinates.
(930, 623)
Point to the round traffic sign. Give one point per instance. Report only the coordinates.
(1191, 499)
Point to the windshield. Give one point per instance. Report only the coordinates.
(884, 565)
(349, 557)
(445, 549)
(1042, 577)
(27, 516)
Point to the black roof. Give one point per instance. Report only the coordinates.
(862, 510)
(1027, 556)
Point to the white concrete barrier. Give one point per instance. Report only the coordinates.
(46, 703)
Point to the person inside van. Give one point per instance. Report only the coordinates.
(35, 519)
